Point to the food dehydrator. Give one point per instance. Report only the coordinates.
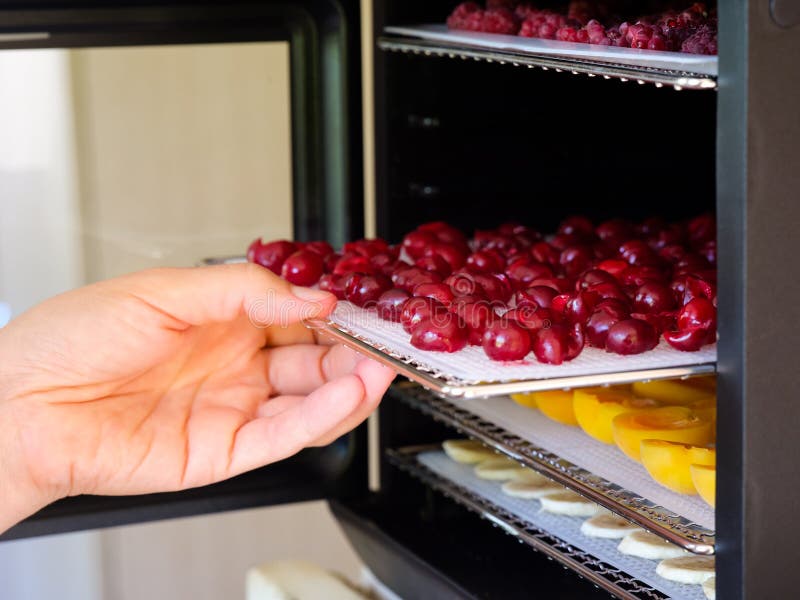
(476, 136)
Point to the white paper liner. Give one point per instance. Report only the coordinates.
(472, 366)
(654, 59)
(566, 528)
(575, 446)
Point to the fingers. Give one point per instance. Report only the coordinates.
(202, 295)
(376, 379)
(302, 368)
(268, 439)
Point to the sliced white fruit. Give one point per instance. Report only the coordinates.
(467, 451)
(531, 476)
(569, 503)
(710, 588)
(607, 525)
(530, 490)
(498, 469)
(687, 569)
(647, 545)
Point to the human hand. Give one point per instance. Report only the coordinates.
(168, 379)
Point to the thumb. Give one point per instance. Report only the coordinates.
(224, 292)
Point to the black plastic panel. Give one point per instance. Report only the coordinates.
(426, 546)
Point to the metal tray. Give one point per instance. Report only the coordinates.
(443, 383)
(660, 77)
(611, 579)
(625, 503)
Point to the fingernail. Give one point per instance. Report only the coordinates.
(310, 295)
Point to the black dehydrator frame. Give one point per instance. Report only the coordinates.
(757, 161)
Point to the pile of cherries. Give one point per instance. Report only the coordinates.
(617, 285)
(692, 30)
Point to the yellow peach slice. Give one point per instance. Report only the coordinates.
(557, 405)
(705, 408)
(668, 463)
(595, 408)
(671, 423)
(673, 391)
(704, 478)
(526, 400)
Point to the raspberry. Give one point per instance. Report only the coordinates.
(703, 41)
(542, 24)
(525, 10)
(460, 15)
(499, 20)
(596, 33)
(567, 34)
(645, 36)
(616, 36)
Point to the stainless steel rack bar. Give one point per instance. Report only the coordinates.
(640, 74)
(440, 383)
(611, 579)
(625, 503)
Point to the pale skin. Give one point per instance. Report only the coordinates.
(169, 379)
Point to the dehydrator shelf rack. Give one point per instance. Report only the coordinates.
(643, 512)
(608, 70)
(611, 579)
(445, 383)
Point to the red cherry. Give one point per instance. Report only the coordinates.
(444, 232)
(390, 304)
(333, 284)
(557, 344)
(579, 308)
(614, 230)
(613, 267)
(438, 291)
(366, 247)
(638, 253)
(415, 243)
(609, 290)
(545, 253)
(454, 255)
(531, 317)
(496, 287)
(653, 297)
(690, 340)
(672, 253)
(439, 335)
(505, 339)
(417, 308)
(353, 263)
(387, 264)
(434, 264)
(691, 263)
(320, 247)
(650, 226)
(698, 313)
(330, 261)
(411, 277)
(578, 226)
(636, 276)
(485, 261)
(271, 255)
(463, 283)
(702, 229)
(302, 268)
(602, 319)
(538, 295)
(688, 287)
(593, 277)
(631, 336)
(476, 315)
(522, 272)
(364, 290)
(709, 251)
(576, 259)
(559, 303)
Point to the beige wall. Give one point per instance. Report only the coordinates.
(181, 153)
(185, 152)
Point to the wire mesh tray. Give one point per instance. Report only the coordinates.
(632, 506)
(469, 373)
(612, 579)
(681, 71)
